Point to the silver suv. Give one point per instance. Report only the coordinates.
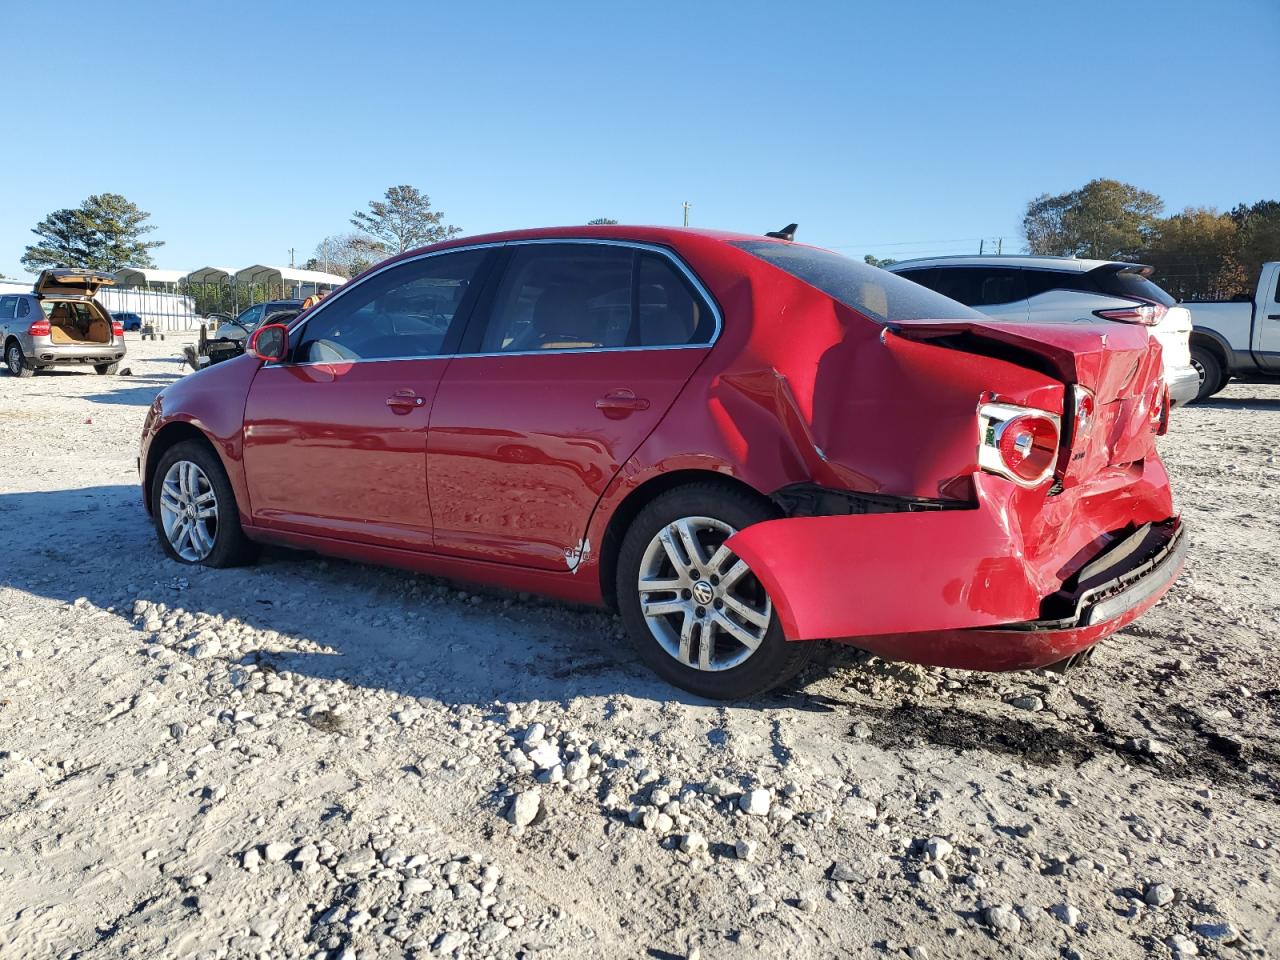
(59, 323)
(1065, 289)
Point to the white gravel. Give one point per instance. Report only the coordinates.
(311, 758)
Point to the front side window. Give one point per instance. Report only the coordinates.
(567, 296)
(877, 294)
(403, 312)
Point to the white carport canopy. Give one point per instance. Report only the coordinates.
(146, 276)
(211, 275)
(290, 276)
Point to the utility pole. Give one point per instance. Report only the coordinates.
(291, 256)
(687, 205)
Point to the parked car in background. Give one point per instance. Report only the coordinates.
(230, 334)
(1238, 339)
(739, 443)
(274, 311)
(130, 321)
(60, 324)
(1022, 288)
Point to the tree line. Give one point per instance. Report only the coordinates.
(1198, 253)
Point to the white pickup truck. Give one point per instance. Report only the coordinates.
(1238, 339)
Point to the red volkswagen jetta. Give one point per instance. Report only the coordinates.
(739, 443)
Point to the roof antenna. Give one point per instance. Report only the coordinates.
(786, 233)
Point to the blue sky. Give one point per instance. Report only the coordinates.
(891, 128)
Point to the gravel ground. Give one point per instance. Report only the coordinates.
(311, 758)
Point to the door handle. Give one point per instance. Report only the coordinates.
(404, 401)
(621, 403)
(1273, 316)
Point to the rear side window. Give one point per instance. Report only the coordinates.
(1127, 283)
(578, 296)
(24, 306)
(875, 293)
(1044, 281)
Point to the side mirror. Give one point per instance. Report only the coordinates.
(270, 343)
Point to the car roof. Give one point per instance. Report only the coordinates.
(1026, 261)
(661, 236)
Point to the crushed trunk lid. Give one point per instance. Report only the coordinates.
(69, 282)
(1119, 364)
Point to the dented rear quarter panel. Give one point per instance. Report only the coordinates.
(800, 388)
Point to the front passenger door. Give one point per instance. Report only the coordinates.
(335, 439)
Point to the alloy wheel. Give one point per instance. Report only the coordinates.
(189, 511)
(702, 603)
(14, 359)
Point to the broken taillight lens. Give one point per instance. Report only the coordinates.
(38, 328)
(1148, 314)
(1018, 442)
(1085, 408)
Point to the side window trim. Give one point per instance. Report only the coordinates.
(472, 328)
(482, 315)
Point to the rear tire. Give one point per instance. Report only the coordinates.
(1212, 377)
(105, 369)
(188, 482)
(732, 646)
(16, 363)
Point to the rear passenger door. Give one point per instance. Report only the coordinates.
(572, 359)
(7, 306)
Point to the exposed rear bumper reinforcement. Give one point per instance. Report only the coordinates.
(1140, 566)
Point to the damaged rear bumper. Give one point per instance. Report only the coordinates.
(968, 588)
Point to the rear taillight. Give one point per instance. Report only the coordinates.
(1148, 314)
(1018, 443)
(117, 328)
(1084, 409)
(39, 328)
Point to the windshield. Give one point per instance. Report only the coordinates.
(875, 293)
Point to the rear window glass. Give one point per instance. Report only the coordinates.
(875, 293)
(1124, 283)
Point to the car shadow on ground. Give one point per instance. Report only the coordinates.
(140, 395)
(380, 628)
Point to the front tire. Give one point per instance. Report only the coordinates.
(16, 363)
(1212, 377)
(698, 617)
(194, 509)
